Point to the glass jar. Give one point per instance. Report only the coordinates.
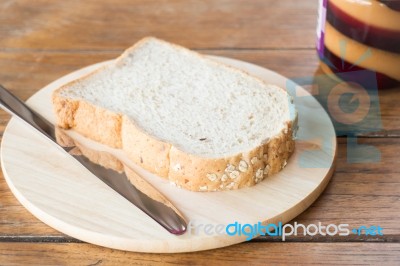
(354, 35)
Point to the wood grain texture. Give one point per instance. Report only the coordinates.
(48, 185)
(119, 24)
(353, 196)
(43, 40)
(253, 253)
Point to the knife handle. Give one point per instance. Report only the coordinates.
(15, 106)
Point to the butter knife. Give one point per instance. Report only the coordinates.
(136, 190)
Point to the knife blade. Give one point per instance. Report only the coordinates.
(135, 189)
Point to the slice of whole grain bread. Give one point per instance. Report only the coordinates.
(201, 124)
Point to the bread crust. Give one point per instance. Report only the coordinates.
(91, 121)
(145, 150)
(182, 169)
(241, 170)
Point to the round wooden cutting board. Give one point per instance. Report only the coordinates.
(64, 195)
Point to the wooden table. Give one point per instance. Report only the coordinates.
(43, 40)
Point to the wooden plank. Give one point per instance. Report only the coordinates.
(358, 194)
(362, 193)
(56, 193)
(26, 72)
(257, 253)
(42, 40)
(99, 25)
(388, 148)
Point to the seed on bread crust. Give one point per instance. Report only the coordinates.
(212, 177)
(254, 160)
(230, 185)
(234, 174)
(229, 168)
(243, 166)
(203, 188)
(259, 176)
(224, 178)
(266, 169)
(259, 173)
